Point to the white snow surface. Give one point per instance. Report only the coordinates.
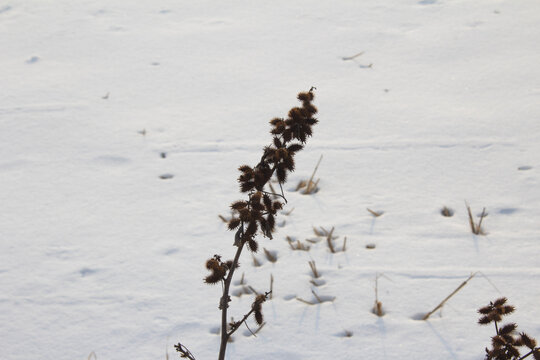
(99, 254)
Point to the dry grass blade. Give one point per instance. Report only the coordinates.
(377, 308)
(256, 262)
(313, 267)
(305, 301)
(310, 185)
(476, 228)
(270, 256)
(344, 248)
(223, 219)
(329, 241)
(298, 245)
(448, 297)
(346, 58)
(290, 242)
(318, 232)
(375, 213)
(316, 296)
(94, 356)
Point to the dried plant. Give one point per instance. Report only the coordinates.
(505, 343)
(258, 211)
(375, 213)
(310, 185)
(441, 304)
(318, 299)
(377, 307)
(270, 256)
(476, 228)
(330, 237)
(298, 245)
(447, 212)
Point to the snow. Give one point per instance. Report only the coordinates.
(98, 253)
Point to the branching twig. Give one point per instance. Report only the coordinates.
(184, 352)
(237, 324)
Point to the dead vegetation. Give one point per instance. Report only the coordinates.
(375, 213)
(441, 304)
(476, 227)
(330, 238)
(310, 186)
(447, 212)
(297, 245)
(377, 307)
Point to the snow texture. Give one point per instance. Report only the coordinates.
(122, 127)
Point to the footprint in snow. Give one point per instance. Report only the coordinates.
(33, 60)
(87, 271)
(171, 251)
(5, 9)
(508, 211)
(111, 160)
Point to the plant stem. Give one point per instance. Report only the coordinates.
(224, 304)
(529, 353)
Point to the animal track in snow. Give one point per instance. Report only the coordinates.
(5, 9)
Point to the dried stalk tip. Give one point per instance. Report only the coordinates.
(378, 309)
(476, 228)
(447, 212)
(184, 352)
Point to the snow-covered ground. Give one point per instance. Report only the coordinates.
(99, 254)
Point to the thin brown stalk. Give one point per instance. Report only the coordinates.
(305, 301)
(310, 182)
(329, 241)
(224, 304)
(269, 256)
(316, 296)
(318, 232)
(313, 267)
(375, 213)
(448, 297)
(223, 218)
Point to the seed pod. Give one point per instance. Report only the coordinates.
(234, 223)
(258, 317)
(253, 245)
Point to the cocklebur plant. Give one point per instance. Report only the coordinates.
(506, 342)
(257, 214)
